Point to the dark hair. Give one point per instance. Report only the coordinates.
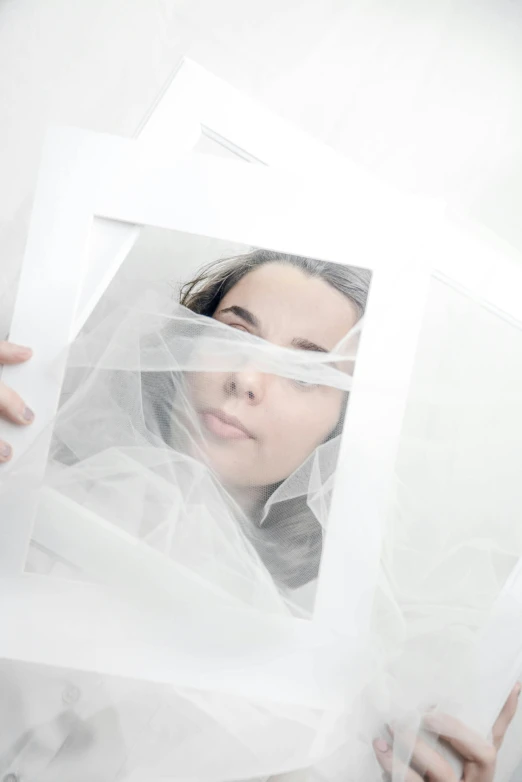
(203, 294)
(290, 534)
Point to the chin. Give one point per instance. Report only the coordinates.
(233, 477)
(234, 470)
(234, 474)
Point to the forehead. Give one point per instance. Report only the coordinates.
(289, 303)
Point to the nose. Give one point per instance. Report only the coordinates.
(249, 386)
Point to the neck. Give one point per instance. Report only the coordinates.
(249, 499)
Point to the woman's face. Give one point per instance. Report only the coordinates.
(258, 427)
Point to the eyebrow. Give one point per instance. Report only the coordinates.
(244, 314)
(298, 342)
(305, 344)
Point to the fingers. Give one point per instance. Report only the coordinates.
(505, 717)
(389, 763)
(469, 744)
(13, 407)
(13, 354)
(426, 759)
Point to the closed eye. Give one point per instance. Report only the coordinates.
(304, 385)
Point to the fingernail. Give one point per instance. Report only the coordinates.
(23, 351)
(382, 746)
(5, 452)
(28, 415)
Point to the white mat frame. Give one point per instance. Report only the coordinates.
(85, 176)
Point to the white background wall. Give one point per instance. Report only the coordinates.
(426, 92)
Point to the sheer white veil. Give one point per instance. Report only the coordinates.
(129, 449)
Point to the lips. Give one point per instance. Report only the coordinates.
(226, 427)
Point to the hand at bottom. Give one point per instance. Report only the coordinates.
(479, 757)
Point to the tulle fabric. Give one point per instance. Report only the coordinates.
(129, 449)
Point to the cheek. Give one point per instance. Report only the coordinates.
(204, 385)
(304, 420)
(296, 423)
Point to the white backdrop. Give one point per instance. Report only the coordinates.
(427, 92)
